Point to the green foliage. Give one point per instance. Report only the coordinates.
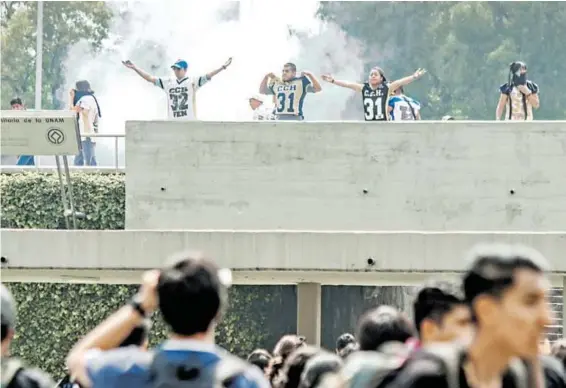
(465, 46)
(52, 317)
(33, 200)
(65, 23)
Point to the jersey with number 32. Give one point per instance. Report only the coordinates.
(375, 102)
(181, 96)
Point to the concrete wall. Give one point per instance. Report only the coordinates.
(417, 176)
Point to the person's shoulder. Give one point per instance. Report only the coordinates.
(506, 88)
(34, 378)
(119, 360)
(533, 87)
(421, 371)
(394, 99)
(554, 373)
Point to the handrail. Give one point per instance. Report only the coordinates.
(12, 169)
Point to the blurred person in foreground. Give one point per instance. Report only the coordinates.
(139, 337)
(23, 160)
(346, 344)
(181, 89)
(290, 374)
(558, 350)
(442, 314)
(260, 358)
(289, 91)
(191, 295)
(261, 111)
(506, 288)
(402, 107)
(282, 350)
(14, 373)
(519, 95)
(84, 102)
(376, 91)
(318, 368)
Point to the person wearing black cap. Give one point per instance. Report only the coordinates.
(518, 95)
(181, 89)
(14, 373)
(375, 92)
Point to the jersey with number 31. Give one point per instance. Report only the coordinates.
(375, 102)
(181, 96)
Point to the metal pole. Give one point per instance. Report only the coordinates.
(116, 153)
(70, 188)
(39, 56)
(63, 194)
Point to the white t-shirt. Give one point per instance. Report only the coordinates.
(89, 124)
(263, 113)
(181, 96)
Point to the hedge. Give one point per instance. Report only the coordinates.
(51, 316)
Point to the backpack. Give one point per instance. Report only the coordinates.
(193, 373)
(452, 356)
(375, 369)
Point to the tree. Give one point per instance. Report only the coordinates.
(465, 46)
(64, 24)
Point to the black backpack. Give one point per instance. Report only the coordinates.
(193, 373)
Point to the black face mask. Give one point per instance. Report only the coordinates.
(520, 79)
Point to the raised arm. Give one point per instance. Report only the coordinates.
(407, 80)
(531, 95)
(263, 88)
(315, 84)
(223, 67)
(345, 84)
(141, 73)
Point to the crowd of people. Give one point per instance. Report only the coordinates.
(482, 331)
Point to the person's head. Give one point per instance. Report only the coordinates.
(289, 71)
(17, 104)
(290, 374)
(383, 324)
(255, 101)
(441, 313)
(260, 358)
(518, 72)
(558, 350)
(83, 86)
(287, 345)
(349, 349)
(192, 294)
(8, 318)
(344, 340)
(506, 288)
(180, 68)
(399, 91)
(447, 118)
(376, 76)
(138, 337)
(317, 367)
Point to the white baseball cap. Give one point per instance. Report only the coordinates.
(256, 97)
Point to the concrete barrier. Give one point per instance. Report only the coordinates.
(347, 175)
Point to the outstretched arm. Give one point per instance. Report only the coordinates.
(345, 84)
(407, 80)
(223, 67)
(146, 76)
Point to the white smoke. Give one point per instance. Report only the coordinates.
(153, 34)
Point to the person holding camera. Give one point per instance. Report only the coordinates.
(84, 103)
(519, 95)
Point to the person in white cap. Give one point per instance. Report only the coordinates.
(14, 372)
(181, 89)
(261, 111)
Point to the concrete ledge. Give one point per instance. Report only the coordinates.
(53, 170)
(419, 252)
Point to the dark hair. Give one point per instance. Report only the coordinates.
(138, 336)
(191, 295)
(290, 65)
(290, 374)
(83, 86)
(4, 331)
(260, 358)
(344, 340)
(319, 365)
(558, 350)
(16, 101)
(348, 349)
(435, 300)
(493, 267)
(383, 324)
(380, 71)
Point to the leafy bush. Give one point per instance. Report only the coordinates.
(51, 316)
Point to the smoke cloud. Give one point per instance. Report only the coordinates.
(260, 35)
